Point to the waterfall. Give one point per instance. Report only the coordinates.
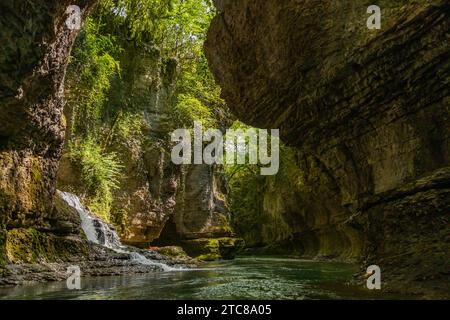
(99, 232)
(95, 229)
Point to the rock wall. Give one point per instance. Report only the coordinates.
(201, 210)
(368, 111)
(163, 203)
(286, 218)
(154, 192)
(149, 183)
(33, 57)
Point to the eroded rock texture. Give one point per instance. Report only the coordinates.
(33, 57)
(368, 110)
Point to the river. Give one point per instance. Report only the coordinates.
(242, 278)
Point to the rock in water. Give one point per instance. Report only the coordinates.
(99, 232)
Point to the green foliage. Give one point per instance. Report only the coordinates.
(177, 30)
(103, 115)
(137, 20)
(198, 98)
(257, 201)
(183, 36)
(100, 173)
(92, 67)
(126, 126)
(90, 73)
(189, 109)
(174, 26)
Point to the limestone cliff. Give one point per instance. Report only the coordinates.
(368, 111)
(162, 203)
(154, 192)
(35, 48)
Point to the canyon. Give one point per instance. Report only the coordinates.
(367, 112)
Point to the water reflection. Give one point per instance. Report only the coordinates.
(243, 278)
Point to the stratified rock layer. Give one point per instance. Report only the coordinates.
(369, 111)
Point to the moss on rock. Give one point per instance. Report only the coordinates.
(213, 249)
(175, 253)
(32, 246)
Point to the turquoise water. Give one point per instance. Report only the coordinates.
(243, 278)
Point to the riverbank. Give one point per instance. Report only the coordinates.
(98, 262)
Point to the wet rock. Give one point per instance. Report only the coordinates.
(65, 219)
(176, 253)
(98, 261)
(213, 248)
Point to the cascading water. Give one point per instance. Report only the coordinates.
(99, 232)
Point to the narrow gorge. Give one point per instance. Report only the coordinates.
(368, 111)
(87, 177)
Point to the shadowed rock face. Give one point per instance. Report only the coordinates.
(33, 57)
(369, 111)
